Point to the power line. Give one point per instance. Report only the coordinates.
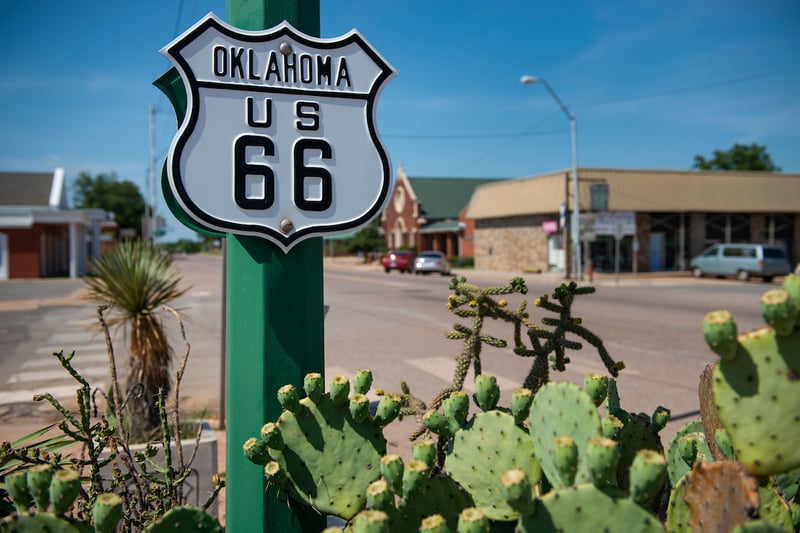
(466, 136)
(692, 88)
(505, 143)
(178, 18)
(529, 132)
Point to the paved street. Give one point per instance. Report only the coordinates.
(391, 323)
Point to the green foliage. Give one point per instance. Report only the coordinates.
(138, 279)
(368, 239)
(411, 493)
(462, 262)
(752, 391)
(319, 451)
(184, 519)
(37, 484)
(562, 458)
(687, 447)
(484, 447)
(738, 157)
(585, 508)
(563, 411)
(548, 342)
(104, 191)
(38, 476)
(185, 246)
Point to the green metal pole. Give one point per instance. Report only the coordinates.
(275, 329)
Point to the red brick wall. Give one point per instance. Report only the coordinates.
(468, 234)
(391, 215)
(23, 252)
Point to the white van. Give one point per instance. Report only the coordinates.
(743, 261)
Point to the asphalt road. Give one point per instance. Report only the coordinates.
(393, 324)
(650, 323)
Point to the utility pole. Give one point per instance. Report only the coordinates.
(151, 222)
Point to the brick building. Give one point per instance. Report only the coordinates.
(428, 214)
(40, 235)
(675, 215)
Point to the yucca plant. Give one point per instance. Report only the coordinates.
(138, 279)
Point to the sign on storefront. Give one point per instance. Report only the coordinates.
(615, 223)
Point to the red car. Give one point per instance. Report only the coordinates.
(402, 260)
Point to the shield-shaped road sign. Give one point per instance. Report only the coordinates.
(279, 138)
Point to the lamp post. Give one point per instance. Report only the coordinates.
(575, 223)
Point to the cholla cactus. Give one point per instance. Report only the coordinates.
(549, 341)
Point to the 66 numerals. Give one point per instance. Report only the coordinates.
(300, 173)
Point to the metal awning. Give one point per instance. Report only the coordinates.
(443, 226)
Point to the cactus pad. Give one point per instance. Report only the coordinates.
(486, 447)
(562, 410)
(587, 508)
(187, 519)
(708, 411)
(678, 514)
(756, 394)
(323, 455)
(772, 507)
(439, 495)
(677, 464)
(637, 434)
(43, 522)
(406, 503)
(720, 496)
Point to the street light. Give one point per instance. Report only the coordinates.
(575, 223)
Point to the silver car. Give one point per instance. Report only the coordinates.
(431, 261)
(742, 261)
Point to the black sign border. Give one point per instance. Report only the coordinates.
(283, 30)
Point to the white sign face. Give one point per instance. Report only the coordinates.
(279, 138)
(617, 223)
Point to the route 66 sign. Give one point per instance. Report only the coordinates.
(279, 138)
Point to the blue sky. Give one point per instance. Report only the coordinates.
(651, 83)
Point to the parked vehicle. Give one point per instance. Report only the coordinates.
(402, 260)
(431, 261)
(743, 261)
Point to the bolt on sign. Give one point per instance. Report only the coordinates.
(279, 139)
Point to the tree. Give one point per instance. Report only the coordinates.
(368, 239)
(739, 157)
(138, 280)
(122, 198)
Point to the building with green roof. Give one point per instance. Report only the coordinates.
(428, 214)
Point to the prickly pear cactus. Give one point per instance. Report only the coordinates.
(678, 514)
(371, 521)
(581, 507)
(772, 507)
(409, 493)
(325, 448)
(46, 488)
(686, 447)
(638, 432)
(562, 411)
(490, 443)
(708, 411)
(720, 496)
(757, 382)
(43, 522)
(184, 519)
